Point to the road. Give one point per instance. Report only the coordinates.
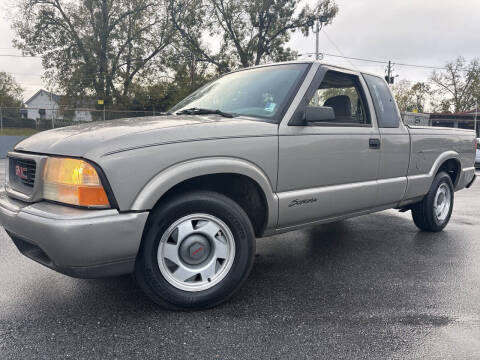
(367, 288)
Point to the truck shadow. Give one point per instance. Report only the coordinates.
(362, 263)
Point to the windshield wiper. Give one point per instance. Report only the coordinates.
(201, 111)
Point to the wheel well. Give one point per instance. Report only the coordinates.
(240, 188)
(452, 168)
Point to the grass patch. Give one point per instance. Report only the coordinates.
(17, 131)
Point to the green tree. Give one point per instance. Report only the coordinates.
(187, 75)
(193, 21)
(10, 98)
(420, 93)
(250, 31)
(458, 86)
(411, 97)
(95, 47)
(403, 96)
(10, 91)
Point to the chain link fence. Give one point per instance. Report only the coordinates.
(26, 121)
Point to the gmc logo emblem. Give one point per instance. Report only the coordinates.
(21, 172)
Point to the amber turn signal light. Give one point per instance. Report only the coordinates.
(73, 181)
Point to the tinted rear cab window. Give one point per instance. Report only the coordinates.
(385, 107)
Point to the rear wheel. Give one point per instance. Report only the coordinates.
(197, 251)
(434, 211)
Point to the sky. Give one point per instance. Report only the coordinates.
(419, 32)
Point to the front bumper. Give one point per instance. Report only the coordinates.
(76, 242)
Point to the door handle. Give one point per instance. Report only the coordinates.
(374, 143)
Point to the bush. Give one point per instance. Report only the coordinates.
(9, 122)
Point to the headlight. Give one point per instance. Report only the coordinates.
(73, 181)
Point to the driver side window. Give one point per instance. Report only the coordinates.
(343, 93)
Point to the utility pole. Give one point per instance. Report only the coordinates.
(389, 71)
(1, 118)
(53, 110)
(318, 26)
(475, 121)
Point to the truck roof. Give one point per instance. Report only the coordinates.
(311, 61)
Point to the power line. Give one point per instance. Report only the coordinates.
(415, 82)
(422, 66)
(433, 67)
(377, 61)
(82, 78)
(337, 48)
(20, 56)
(23, 74)
(327, 54)
(348, 57)
(374, 61)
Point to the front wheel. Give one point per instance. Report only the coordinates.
(434, 211)
(197, 251)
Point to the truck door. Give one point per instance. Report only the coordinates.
(328, 169)
(394, 144)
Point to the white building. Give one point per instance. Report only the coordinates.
(46, 105)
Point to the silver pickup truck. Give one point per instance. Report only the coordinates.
(179, 199)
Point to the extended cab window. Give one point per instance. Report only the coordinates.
(343, 93)
(385, 108)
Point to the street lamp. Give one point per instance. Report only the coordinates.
(318, 26)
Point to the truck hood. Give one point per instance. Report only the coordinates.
(99, 139)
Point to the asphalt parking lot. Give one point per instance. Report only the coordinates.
(372, 287)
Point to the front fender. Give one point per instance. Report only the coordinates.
(168, 178)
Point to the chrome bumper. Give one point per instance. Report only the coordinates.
(77, 242)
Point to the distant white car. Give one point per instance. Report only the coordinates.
(477, 158)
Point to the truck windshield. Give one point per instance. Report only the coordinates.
(258, 92)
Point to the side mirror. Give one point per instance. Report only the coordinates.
(319, 114)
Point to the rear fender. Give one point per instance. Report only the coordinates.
(419, 185)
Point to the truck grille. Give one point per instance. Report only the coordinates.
(22, 171)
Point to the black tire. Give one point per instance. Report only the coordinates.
(147, 271)
(423, 213)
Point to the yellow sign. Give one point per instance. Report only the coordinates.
(415, 110)
(100, 102)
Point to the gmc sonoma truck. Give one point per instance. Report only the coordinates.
(179, 199)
